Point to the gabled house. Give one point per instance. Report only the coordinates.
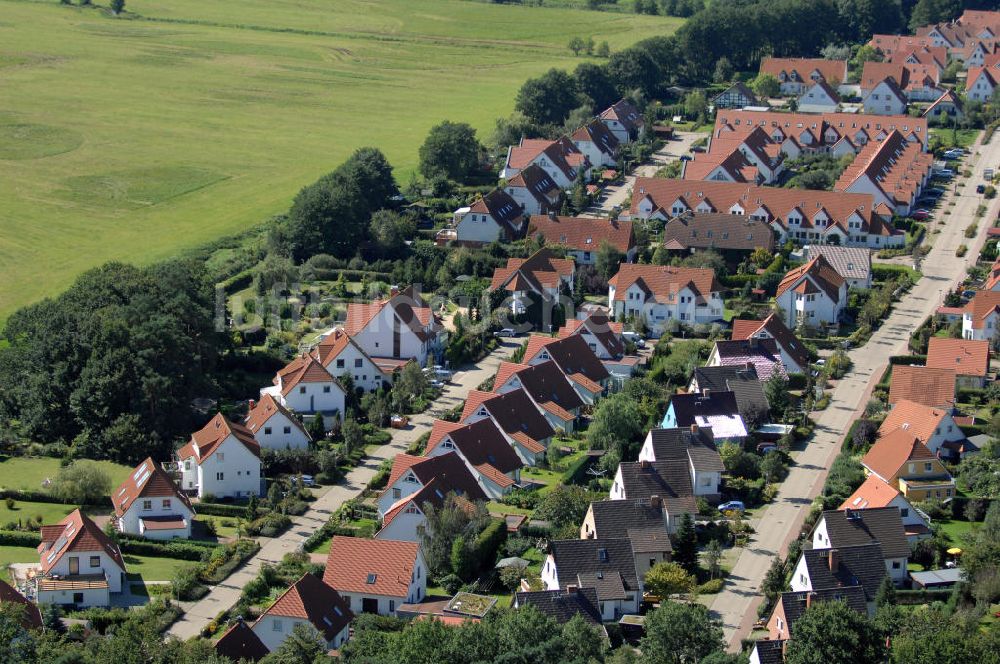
(894, 171)
(222, 459)
(981, 316)
(640, 522)
(812, 295)
(717, 411)
(376, 576)
(980, 84)
(496, 217)
(549, 389)
(341, 355)
(606, 565)
(800, 215)
(396, 330)
(305, 386)
(515, 414)
(741, 380)
(791, 605)
(536, 282)
(733, 236)
(32, 617)
(406, 520)
(585, 371)
(913, 81)
(308, 601)
(796, 74)
(563, 605)
(239, 643)
(947, 107)
(624, 121)
(762, 354)
(931, 426)
(274, 426)
(903, 462)
(664, 483)
(149, 504)
(854, 264)
(601, 334)
(968, 359)
(992, 282)
(837, 529)
(410, 474)
(824, 569)
(583, 237)
(534, 190)
(597, 142)
(658, 293)
(926, 386)
(819, 97)
(753, 157)
(560, 159)
(875, 493)
(485, 451)
(78, 564)
(693, 447)
(736, 95)
(794, 355)
(767, 651)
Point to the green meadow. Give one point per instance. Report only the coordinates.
(138, 137)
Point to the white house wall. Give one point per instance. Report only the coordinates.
(232, 471)
(280, 433)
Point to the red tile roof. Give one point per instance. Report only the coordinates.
(982, 304)
(542, 270)
(897, 166)
(662, 283)
(964, 356)
(77, 534)
(582, 233)
(32, 616)
(923, 385)
(892, 451)
(303, 369)
(313, 600)
(772, 327)
(267, 408)
(434, 492)
(408, 306)
(818, 271)
(872, 494)
(801, 69)
(147, 480)
(206, 441)
(913, 418)
(370, 566)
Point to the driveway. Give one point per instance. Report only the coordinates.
(781, 522)
(225, 595)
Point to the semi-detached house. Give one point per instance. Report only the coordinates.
(796, 74)
(607, 565)
(561, 159)
(484, 450)
(308, 601)
(305, 386)
(536, 281)
(665, 483)
(624, 121)
(842, 528)
(496, 217)
(549, 389)
(534, 190)
(693, 447)
(660, 293)
(794, 355)
(394, 331)
(597, 143)
(515, 414)
(575, 360)
(341, 355)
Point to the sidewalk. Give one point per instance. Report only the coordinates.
(225, 595)
(736, 606)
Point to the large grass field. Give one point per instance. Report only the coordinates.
(138, 137)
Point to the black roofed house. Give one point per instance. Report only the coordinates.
(734, 236)
(494, 217)
(606, 565)
(740, 380)
(240, 643)
(624, 121)
(768, 652)
(692, 447)
(717, 411)
(822, 569)
(564, 605)
(850, 527)
(665, 482)
(736, 95)
(790, 607)
(641, 522)
(534, 190)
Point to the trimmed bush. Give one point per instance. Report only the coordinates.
(711, 587)
(19, 538)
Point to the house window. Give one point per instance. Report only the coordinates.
(277, 626)
(397, 493)
(222, 457)
(287, 430)
(904, 512)
(895, 564)
(95, 561)
(187, 465)
(340, 364)
(220, 477)
(326, 389)
(78, 598)
(147, 505)
(302, 390)
(927, 467)
(392, 605)
(357, 363)
(166, 503)
(267, 431)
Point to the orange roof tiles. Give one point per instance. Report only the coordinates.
(897, 166)
(582, 233)
(892, 451)
(801, 69)
(542, 270)
(914, 419)
(964, 357)
(267, 408)
(76, 533)
(303, 369)
(370, 566)
(147, 479)
(872, 494)
(205, 441)
(817, 271)
(663, 282)
(982, 304)
(313, 600)
(924, 385)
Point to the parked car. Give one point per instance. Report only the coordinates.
(764, 448)
(954, 153)
(308, 480)
(946, 173)
(635, 338)
(685, 157)
(732, 506)
(506, 332)
(980, 188)
(398, 421)
(920, 214)
(437, 384)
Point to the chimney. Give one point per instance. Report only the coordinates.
(656, 502)
(644, 464)
(694, 428)
(834, 560)
(552, 215)
(571, 589)
(809, 599)
(705, 393)
(251, 403)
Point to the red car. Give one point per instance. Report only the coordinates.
(920, 215)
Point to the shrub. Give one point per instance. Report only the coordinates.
(710, 587)
(516, 546)
(961, 251)
(82, 483)
(451, 584)
(991, 192)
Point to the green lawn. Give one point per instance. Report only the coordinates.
(154, 569)
(141, 136)
(29, 473)
(26, 511)
(956, 530)
(15, 554)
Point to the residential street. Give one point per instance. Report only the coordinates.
(737, 605)
(225, 595)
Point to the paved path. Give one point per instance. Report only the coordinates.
(226, 594)
(737, 605)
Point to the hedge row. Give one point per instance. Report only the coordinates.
(43, 497)
(182, 550)
(576, 472)
(908, 359)
(223, 509)
(967, 394)
(885, 272)
(911, 597)
(489, 542)
(19, 538)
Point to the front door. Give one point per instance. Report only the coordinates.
(369, 605)
(74, 565)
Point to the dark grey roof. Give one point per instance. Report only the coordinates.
(670, 480)
(684, 444)
(857, 566)
(849, 262)
(563, 605)
(794, 603)
(614, 518)
(749, 394)
(717, 378)
(650, 540)
(687, 407)
(770, 652)
(855, 527)
(605, 564)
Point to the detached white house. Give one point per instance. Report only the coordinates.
(342, 356)
(980, 84)
(534, 190)
(624, 121)
(812, 295)
(309, 601)
(981, 316)
(274, 427)
(394, 331)
(496, 217)
(79, 564)
(148, 503)
(886, 98)
(222, 460)
(376, 576)
(597, 142)
(305, 386)
(659, 293)
(607, 565)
